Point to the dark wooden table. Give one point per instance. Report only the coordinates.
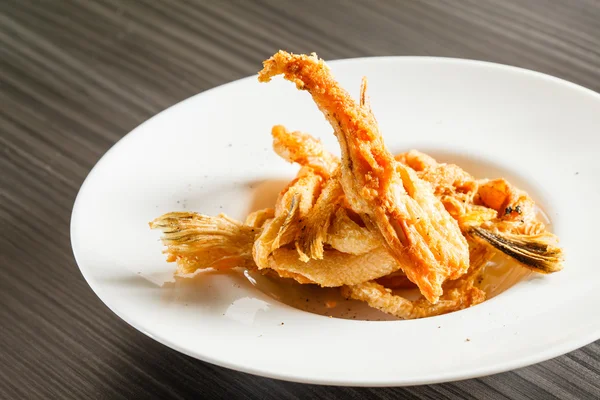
(78, 75)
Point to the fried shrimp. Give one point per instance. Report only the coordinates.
(389, 195)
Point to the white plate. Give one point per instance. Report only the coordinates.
(212, 153)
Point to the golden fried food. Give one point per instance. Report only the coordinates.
(294, 203)
(381, 298)
(336, 268)
(458, 294)
(455, 188)
(388, 195)
(302, 148)
(515, 210)
(480, 208)
(348, 236)
(313, 228)
(195, 241)
(371, 224)
(258, 218)
(516, 231)
(198, 242)
(491, 210)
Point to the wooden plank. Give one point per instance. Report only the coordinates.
(77, 75)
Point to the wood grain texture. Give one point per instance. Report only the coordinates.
(77, 75)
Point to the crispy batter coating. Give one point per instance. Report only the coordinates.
(458, 294)
(336, 268)
(313, 228)
(258, 218)
(196, 242)
(347, 236)
(390, 196)
(293, 204)
(370, 222)
(381, 298)
(492, 211)
(303, 149)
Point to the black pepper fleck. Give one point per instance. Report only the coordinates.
(518, 209)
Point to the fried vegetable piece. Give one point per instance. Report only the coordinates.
(458, 294)
(371, 222)
(303, 149)
(491, 210)
(455, 188)
(388, 195)
(349, 237)
(197, 241)
(336, 268)
(307, 151)
(313, 228)
(293, 203)
(258, 218)
(381, 298)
